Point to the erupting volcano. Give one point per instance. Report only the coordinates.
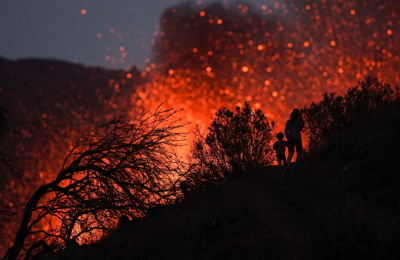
(277, 56)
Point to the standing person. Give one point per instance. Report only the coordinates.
(280, 148)
(293, 134)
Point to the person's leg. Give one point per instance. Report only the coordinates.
(279, 158)
(284, 162)
(289, 158)
(290, 145)
(299, 149)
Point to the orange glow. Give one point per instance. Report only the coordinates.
(83, 11)
(223, 60)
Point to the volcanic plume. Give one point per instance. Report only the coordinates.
(278, 56)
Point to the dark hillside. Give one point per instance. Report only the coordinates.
(49, 103)
(52, 86)
(342, 202)
(348, 192)
(242, 219)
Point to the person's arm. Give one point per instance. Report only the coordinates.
(286, 130)
(302, 123)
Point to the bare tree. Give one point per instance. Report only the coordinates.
(123, 169)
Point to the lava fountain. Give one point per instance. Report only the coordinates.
(277, 56)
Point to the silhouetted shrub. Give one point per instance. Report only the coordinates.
(236, 142)
(335, 113)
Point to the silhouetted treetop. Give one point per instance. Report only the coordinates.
(237, 141)
(336, 113)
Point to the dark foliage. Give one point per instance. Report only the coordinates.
(236, 142)
(335, 113)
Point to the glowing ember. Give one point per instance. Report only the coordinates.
(280, 56)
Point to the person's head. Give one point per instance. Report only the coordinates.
(280, 136)
(295, 114)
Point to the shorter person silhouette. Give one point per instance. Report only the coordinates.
(280, 149)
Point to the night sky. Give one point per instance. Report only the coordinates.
(111, 34)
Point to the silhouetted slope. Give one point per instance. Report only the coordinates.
(348, 192)
(242, 219)
(42, 84)
(340, 203)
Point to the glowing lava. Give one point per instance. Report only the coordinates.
(278, 56)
